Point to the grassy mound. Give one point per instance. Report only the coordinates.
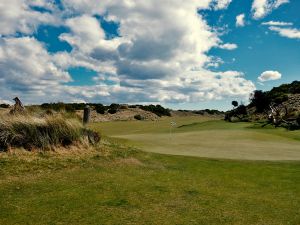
(43, 133)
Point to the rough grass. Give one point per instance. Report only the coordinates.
(32, 132)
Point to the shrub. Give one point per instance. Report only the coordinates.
(113, 108)
(295, 87)
(157, 109)
(42, 133)
(54, 106)
(112, 111)
(124, 107)
(138, 117)
(60, 106)
(240, 112)
(260, 100)
(4, 106)
(100, 108)
(298, 120)
(70, 108)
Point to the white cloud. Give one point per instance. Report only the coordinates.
(228, 46)
(2, 101)
(26, 67)
(287, 32)
(221, 4)
(280, 2)
(269, 75)
(240, 20)
(18, 16)
(277, 23)
(160, 56)
(261, 8)
(86, 33)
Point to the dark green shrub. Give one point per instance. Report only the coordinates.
(295, 87)
(123, 107)
(113, 108)
(260, 100)
(241, 110)
(240, 113)
(157, 109)
(70, 108)
(298, 120)
(138, 117)
(5, 106)
(100, 108)
(112, 111)
(60, 106)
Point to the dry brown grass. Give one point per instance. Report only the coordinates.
(44, 133)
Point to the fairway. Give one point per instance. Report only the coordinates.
(204, 137)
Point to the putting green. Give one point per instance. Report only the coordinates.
(212, 139)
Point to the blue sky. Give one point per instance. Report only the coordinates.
(189, 55)
(259, 48)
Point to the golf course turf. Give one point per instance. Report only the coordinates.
(119, 184)
(211, 138)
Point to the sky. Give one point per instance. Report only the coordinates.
(190, 54)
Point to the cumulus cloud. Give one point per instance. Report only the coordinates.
(269, 75)
(261, 8)
(26, 67)
(19, 16)
(240, 20)
(286, 32)
(160, 54)
(86, 33)
(276, 23)
(228, 46)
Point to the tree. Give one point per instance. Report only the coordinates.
(235, 103)
(260, 100)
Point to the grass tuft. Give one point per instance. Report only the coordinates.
(44, 133)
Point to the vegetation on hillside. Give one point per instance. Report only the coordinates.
(42, 132)
(279, 106)
(102, 109)
(261, 100)
(5, 106)
(157, 109)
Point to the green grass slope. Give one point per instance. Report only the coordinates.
(195, 136)
(144, 188)
(117, 184)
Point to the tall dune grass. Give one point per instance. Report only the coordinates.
(32, 132)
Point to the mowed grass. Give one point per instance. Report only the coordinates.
(213, 138)
(146, 188)
(118, 184)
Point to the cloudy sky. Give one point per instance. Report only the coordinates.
(180, 53)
